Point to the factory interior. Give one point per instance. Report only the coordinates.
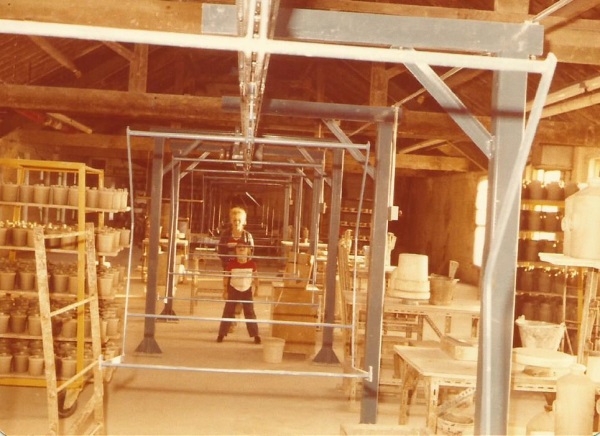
(294, 217)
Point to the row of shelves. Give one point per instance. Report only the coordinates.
(66, 207)
(66, 332)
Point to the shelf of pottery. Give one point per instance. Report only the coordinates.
(60, 197)
(546, 292)
(21, 353)
(350, 214)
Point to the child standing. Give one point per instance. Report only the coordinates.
(241, 282)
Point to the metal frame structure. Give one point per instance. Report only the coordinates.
(261, 31)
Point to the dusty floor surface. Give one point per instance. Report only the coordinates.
(208, 401)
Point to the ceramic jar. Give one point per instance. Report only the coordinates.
(574, 405)
(91, 198)
(60, 194)
(7, 280)
(18, 321)
(3, 234)
(554, 191)
(26, 280)
(41, 194)
(105, 198)
(25, 193)
(19, 236)
(34, 324)
(5, 362)
(20, 361)
(36, 365)
(4, 320)
(73, 196)
(10, 192)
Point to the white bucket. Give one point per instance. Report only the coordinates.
(273, 349)
(413, 267)
(540, 334)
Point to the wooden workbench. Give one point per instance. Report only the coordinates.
(438, 369)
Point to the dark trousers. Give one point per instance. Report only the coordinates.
(236, 297)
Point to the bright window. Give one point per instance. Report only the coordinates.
(480, 219)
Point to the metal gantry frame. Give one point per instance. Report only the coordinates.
(149, 343)
(343, 35)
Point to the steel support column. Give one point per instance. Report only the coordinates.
(498, 303)
(326, 354)
(149, 344)
(172, 253)
(315, 215)
(384, 175)
(287, 192)
(298, 206)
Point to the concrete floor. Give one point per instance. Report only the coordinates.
(169, 401)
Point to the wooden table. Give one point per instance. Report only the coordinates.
(437, 369)
(424, 311)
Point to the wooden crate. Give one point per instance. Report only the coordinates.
(298, 338)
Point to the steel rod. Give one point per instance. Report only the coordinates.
(240, 138)
(236, 161)
(263, 45)
(244, 320)
(358, 374)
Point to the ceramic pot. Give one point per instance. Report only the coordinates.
(20, 361)
(5, 362)
(91, 198)
(41, 194)
(551, 222)
(534, 220)
(69, 328)
(19, 237)
(104, 242)
(105, 285)
(34, 325)
(25, 193)
(535, 190)
(10, 192)
(68, 367)
(7, 280)
(59, 282)
(36, 365)
(4, 319)
(73, 284)
(59, 194)
(116, 200)
(73, 196)
(30, 238)
(68, 242)
(18, 321)
(554, 192)
(3, 233)
(531, 250)
(105, 199)
(570, 189)
(26, 280)
(124, 235)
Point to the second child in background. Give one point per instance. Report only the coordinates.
(241, 283)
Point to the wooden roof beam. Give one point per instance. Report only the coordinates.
(56, 54)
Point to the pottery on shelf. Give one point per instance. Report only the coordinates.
(60, 194)
(7, 280)
(10, 192)
(25, 193)
(41, 194)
